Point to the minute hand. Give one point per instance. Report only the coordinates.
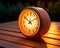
(34, 19)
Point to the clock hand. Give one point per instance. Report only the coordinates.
(29, 21)
(34, 19)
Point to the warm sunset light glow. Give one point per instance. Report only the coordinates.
(53, 30)
(53, 26)
(53, 35)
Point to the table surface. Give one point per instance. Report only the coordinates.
(11, 37)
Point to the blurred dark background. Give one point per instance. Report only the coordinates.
(10, 9)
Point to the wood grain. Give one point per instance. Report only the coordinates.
(11, 37)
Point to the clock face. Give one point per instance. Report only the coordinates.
(29, 22)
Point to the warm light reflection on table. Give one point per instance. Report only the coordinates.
(49, 40)
(52, 36)
(53, 30)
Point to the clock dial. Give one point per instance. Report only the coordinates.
(29, 22)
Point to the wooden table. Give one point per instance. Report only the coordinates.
(11, 37)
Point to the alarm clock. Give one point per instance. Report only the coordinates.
(33, 22)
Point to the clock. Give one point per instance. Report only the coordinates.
(33, 22)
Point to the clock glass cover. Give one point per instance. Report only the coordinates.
(29, 22)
